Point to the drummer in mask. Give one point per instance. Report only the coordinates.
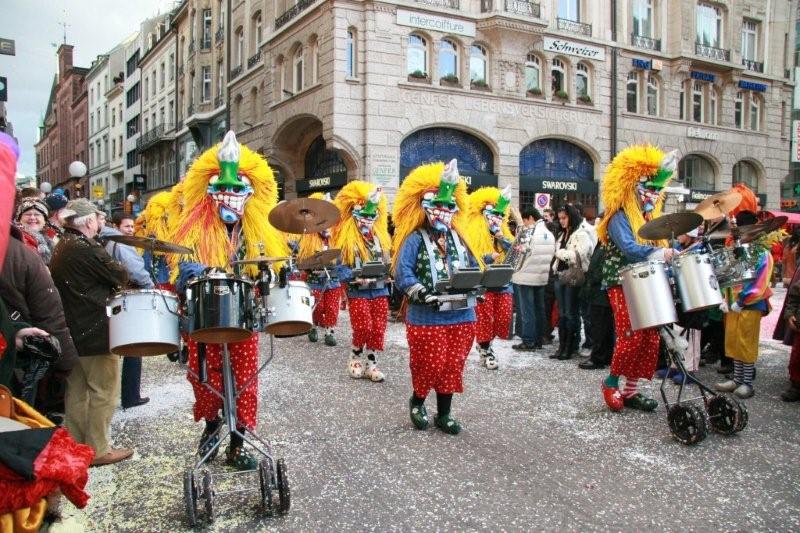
(633, 195)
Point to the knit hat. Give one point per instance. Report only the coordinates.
(31, 203)
(80, 207)
(56, 201)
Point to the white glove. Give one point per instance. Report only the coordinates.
(736, 308)
(562, 254)
(724, 307)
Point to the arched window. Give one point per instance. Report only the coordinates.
(558, 74)
(279, 74)
(448, 60)
(652, 96)
(698, 103)
(239, 46)
(712, 104)
(632, 92)
(417, 63)
(351, 53)
(297, 68)
(755, 112)
(258, 31)
(477, 64)
(737, 110)
(746, 173)
(533, 74)
(696, 172)
(582, 86)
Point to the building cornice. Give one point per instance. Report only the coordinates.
(159, 46)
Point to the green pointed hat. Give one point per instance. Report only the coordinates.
(371, 207)
(228, 156)
(665, 171)
(447, 184)
(503, 201)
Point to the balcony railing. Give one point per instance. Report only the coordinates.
(515, 7)
(755, 66)
(220, 35)
(720, 54)
(292, 12)
(254, 59)
(574, 26)
(235, 71)
(452, 4)
(218, 101)
(153, 136)
(640, 41)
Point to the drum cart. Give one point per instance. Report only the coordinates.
(687, 420)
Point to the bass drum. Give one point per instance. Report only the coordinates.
(143, 322)
(696, 282)
(289, 310)
(220, 309)
(648, 295)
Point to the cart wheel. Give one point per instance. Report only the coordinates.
(190, 497)
(208, 495)
(687, 423)
(724, 414)
(743, 416)
(265, 484)
(283, 488)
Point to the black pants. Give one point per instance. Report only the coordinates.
(602, 327)
(714, 335)
(131, 380)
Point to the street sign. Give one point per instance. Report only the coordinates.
(7, 47)
(98, 191)
(542, 201)
(3, 89)
(140, 182)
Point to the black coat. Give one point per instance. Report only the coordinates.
(593, 290)
(86, 276)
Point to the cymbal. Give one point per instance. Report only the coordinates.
(668, 226)
(754, 231)
(304, 215)
(260, 259)
(152, 244)
(319, 259)
(719, 204)
(721, 231)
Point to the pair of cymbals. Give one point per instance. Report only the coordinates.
(718, 205)
(304, 215)
(150, 243)
(754, 231)
(669, 226)
(320, 259)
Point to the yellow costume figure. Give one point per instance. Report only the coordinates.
(363, 236)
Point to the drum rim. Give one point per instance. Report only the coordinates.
(631, 265)
(226, 276)
(290, 283)
(126, 292)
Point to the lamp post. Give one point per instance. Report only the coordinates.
(133, 199)
(77, 169)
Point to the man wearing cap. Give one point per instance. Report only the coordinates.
(86, 276)
(55, 203)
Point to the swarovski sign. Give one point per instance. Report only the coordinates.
(559, 186)
(585, 51)
(435, 23)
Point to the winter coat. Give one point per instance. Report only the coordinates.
(540, 249)
(27, 288)
(129, 258)
(86, 277)
(593, 290)
(580, 243)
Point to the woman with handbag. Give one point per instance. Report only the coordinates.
(573, 253)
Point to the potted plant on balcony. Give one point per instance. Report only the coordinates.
(450, 80)
(480, 84)
(585, 99)
(418, 75)
(562, 95)
(535, 92)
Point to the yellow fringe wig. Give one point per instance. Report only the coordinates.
(199, 226)
(311, 243)
(619, 193)
(153, 219)
(346, 234)
(408, 215)
(483, 242)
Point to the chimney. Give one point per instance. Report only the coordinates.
(64, 60)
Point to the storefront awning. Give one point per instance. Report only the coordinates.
(792, 218)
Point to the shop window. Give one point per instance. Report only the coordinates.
(417, 61)
(533, 74)
(477, 65)
(448, 60)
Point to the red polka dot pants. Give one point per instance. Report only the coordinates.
(244, 359)
(438, 354)
(326, 307)
(368, 318)
(494, 316)
(635, 352)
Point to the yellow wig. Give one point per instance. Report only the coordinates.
(619, 192)
(311, 243)
(199, 226)
(408, 215)
(483, 242)
(153, 220)
(346, 234)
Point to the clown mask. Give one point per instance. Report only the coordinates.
(647, 197)
(439, 214)
(493, 221)
(365, 215)
(229, 189)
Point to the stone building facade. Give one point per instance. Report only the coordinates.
(63, 134)
(536, 95)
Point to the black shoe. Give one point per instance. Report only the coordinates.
(725, 369)
(590, 365)
(586, 346)
(522, 347)
(537, 346)
(563, 343)
(137, 403)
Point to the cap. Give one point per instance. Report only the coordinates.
(80, 207)
(56, 201)
(31, 203)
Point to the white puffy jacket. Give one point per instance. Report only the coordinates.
(582, 242)
(541, 247)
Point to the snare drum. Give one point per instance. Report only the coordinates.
(220, 309)
(289, 310)
(143, 322)
(734, 266)
(695, 280)
(648, 295)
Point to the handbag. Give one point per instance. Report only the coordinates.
(574, 275)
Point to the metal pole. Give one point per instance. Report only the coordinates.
(613, 135)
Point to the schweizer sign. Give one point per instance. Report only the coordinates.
(562, 46)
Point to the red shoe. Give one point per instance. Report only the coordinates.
(612, 397)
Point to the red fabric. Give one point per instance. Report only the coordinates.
(794, 361)
(8, 172)
(30, 241)
(368, 319)
(438, 354)
(244, 359)
(62, 464)
(326, 307)
(635, 352)
(3, 345)
(494, 316)
(777, 252)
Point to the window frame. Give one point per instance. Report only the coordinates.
(453, 56)
(652, 81)
(753, 33)
(565, 8)
(557, 65)
(719, 24)
(754, 105)
(533, 62)
(207, 30)
(582, 71)
(480, 53)
(636, 8)
(205, 87)
(350, 59)
(419, 44)
(298, 76)
(633, 79)
(698, 90)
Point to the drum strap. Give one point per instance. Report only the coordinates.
(461, 253)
